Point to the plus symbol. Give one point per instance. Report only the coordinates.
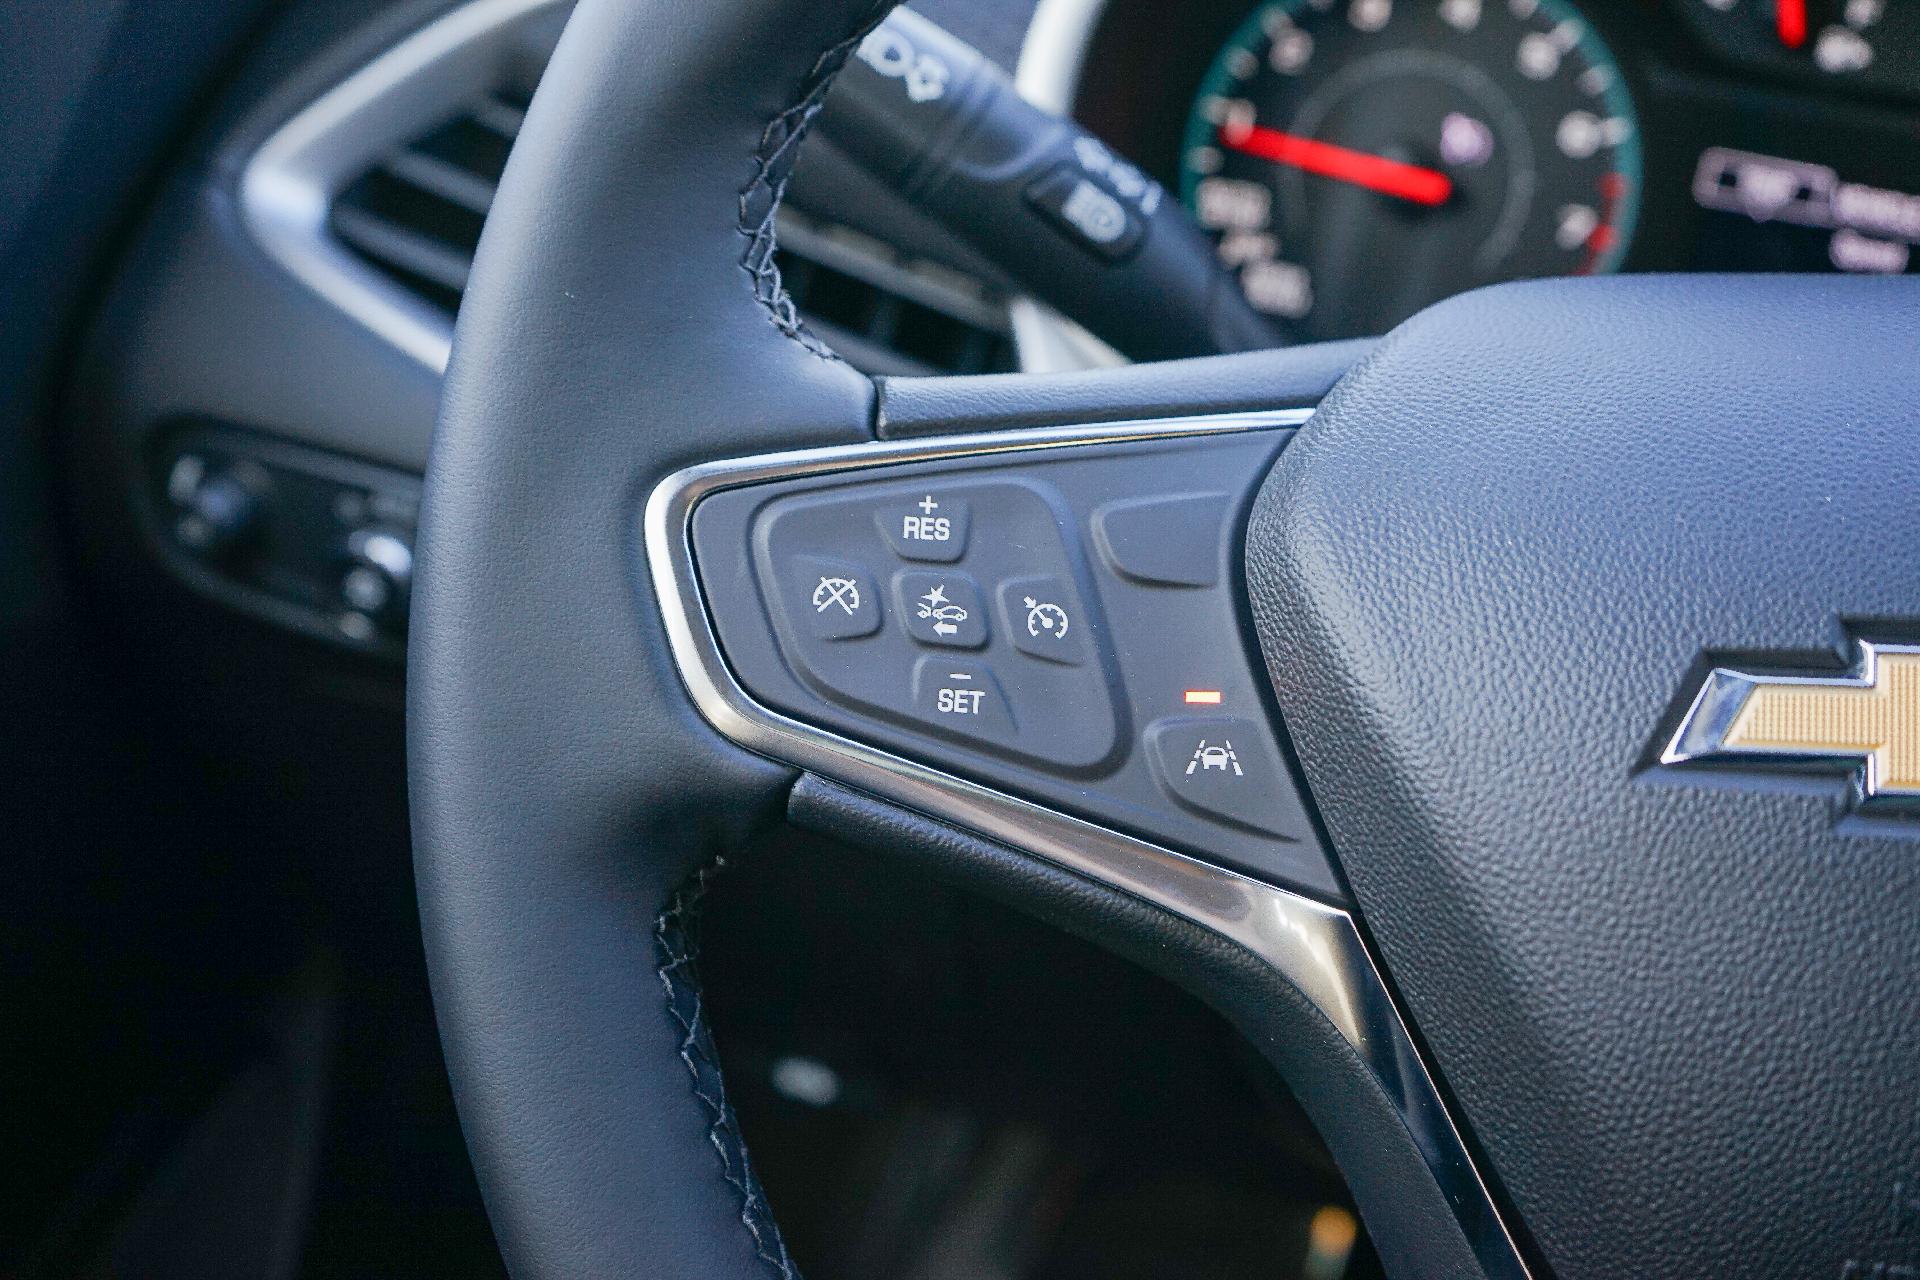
(928, 505)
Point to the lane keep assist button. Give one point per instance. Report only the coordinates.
(1227, 769)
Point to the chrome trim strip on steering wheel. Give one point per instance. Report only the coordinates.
(1316, 947)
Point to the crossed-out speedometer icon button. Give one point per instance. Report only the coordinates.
(841, 592)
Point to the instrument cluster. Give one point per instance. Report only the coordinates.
(1357, 160)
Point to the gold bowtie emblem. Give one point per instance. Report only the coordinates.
(1870, 717)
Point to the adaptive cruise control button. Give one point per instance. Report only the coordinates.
(1044, 618)
(831, 599)
(963, 697)
(929, 527)
(942, 607)
(1225, 768)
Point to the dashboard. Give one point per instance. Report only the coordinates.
(264, 373)
(1357, 160)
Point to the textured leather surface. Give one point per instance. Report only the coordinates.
(1292, 378)
(616, 327)
(1682, 1019)
(1418, 1237)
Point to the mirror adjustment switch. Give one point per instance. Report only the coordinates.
(1043, 617)
(942, 608)
(830, 599)
(1226, 768)
(931, 527)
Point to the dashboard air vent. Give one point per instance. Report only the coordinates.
(415, 216)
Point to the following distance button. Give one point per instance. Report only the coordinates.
(942, 607)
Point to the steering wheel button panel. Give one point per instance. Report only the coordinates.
(942, 609)
(929, 526)
(1045, 701)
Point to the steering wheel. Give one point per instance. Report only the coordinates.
(1573, 892)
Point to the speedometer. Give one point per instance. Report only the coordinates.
(1360, 159)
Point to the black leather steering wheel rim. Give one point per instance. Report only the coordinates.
(623, 323)
(567, 797)
(627, 246)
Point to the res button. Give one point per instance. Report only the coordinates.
(929, 527)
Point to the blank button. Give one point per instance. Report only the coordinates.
(1173, 542)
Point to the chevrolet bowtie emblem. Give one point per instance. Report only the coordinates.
(1868, 718)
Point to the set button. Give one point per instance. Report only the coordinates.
(962, 697)
(942, 608)
(928, 528)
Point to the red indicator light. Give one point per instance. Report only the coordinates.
(1203, 697)
(1790, 22)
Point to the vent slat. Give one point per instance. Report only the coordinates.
(503, 117)
(394, 245)
(444, 179)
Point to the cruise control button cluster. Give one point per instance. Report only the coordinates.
(984, 634)
(1058, 625)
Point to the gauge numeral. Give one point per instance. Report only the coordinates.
(1278, 288)
(1369, 15)
(1581, 134)
(1292, 50)
(1842, 50)
(1230, 204)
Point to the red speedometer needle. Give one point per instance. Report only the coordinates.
(1790, 22)
(1342, 164)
